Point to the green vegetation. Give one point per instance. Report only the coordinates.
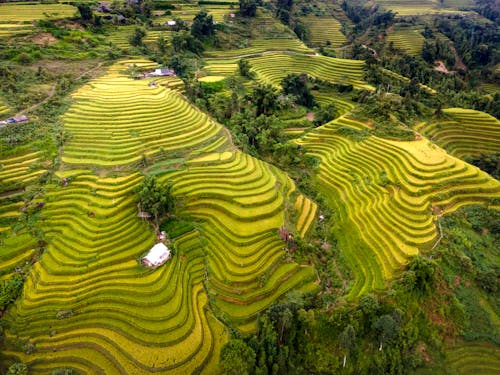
(326, 174)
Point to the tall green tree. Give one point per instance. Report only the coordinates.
(203, 25)
(156, 199)
(248, 8)
(237, 358)
(85, 11)
(137, 37)
(298, 86)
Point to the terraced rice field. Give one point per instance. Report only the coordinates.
(16, 173)
(187, 13)
(325, 31)
(224, 67)
(467, 133)
(413, 8)
(88, 304)
(385, 193)
(479, 358)
(307, 212)
(10, 29)
(263, 45)
(402, 78)
(157, 121)
(407, 39)
(272, 68)
(4, 109)
(10, 12)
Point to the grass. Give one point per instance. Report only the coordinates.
(473, 358)
(383, 192)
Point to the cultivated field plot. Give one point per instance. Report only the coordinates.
(272, 68)
(11, 29)
(474, 358)
(225, 67)
(385, 193)
(411, 8)
(157, 121)
(469, 133)
(325, 31)
(88, 304)
(187, 13)
(407, 39)
(241, 201)
(264, 45)
(4, 109)
(16, 173)
(11, 12)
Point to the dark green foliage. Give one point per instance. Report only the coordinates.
(244, 68)
(184, 41)
(85, 11)
(155, 198)
(176, 227)
(490, 163)
(18, 368)
(298, 86)
(264, 97)
(63, 371)
(203, 25)
(10, 289)
(237, 358)
(422, 271)
(137, 37)
(248, 8)
(325, 114)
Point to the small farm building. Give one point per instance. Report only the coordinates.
(171, 23)
(158, 255)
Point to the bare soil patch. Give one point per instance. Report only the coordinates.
(42, 39)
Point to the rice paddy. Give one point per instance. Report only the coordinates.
(272, 68)
(87, 303)
(11, 12)
(385, 193)
(466, 133)
(325, 31)
(407, 39)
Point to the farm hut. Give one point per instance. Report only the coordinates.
(163, 72)
(158, 255)
(21, 118)
(171, 23)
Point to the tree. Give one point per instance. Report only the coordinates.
(347, 341)
(85, 11)
(136, 38)
(18, 368)
(248, 8)
(264, 97)
(424, 270)
(203, 25)
(386, 329)
(244, 68)
(237, 358)
(298, 86)
(161, 43)
(155, 198)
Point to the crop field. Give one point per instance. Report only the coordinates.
(225, 67)
(4, 109)
(87, 303)
(402, 78)
(263, 45)
(11, 12)
(157, 122)
(272, 68)
(187, 13)
(385, 193)
(411, 8)
(467, 133)
(325, 31)
(241, 200)
(17, 243)
(407, 39)
(11, 29)
(474, 358)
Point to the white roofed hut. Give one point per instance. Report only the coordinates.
(157, 256)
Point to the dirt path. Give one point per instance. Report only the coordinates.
(52, 91)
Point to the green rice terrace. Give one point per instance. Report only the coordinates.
(249, 187)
